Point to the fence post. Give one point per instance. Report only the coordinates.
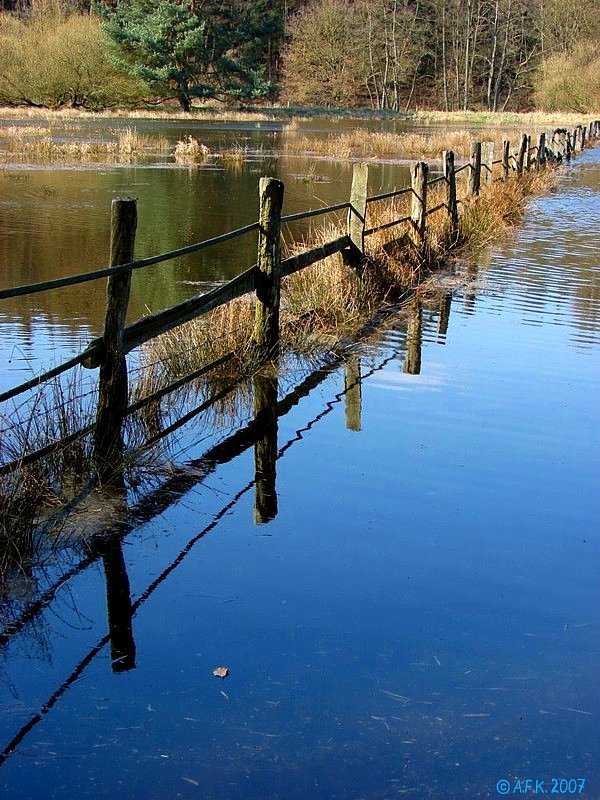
(487, 162)
(451, 204)
(574, 140)
(521, 154)
(268, 276)
(112, 386)
(528, 158)
(583, 136)
(540, 160)
(418, 212)
(358, 210)
(568, 146)
(475, 171)
(505, 159)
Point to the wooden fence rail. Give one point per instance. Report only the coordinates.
(263, 278)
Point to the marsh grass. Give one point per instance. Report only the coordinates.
(40, 143)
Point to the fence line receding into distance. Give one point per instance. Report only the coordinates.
(108, 353)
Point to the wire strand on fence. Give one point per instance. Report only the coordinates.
(435, 208)
(84, 277)
(315, 212)
(386, 225)
(396, 193)
(460, 169)
(442, 178)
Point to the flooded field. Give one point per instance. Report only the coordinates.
(405, 592)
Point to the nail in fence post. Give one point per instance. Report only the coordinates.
(268, 276)
(475, 171)
(521, 155)
(419, 202)
(451, 204)
(112, 387)
(505, 159)
(540, 160)
(358, 210)
(487, 162)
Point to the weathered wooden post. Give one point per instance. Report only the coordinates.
(418, 213)
(583, 136)
(591, 131)
(451, 204)
(412, 360)
(265, 446)
(528, 155)
(475, 171)
(574, 140)
(358, 211)
(487, 162)
(353, 392)
(505, 159)
(540, 160)
(268, 276)
(523, 148)
(113, 386)
(568, 146)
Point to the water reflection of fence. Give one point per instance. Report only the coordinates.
(264, 278)
(262, 434)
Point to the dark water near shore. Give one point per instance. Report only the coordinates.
(420, 616)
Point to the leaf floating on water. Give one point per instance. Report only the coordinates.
(221, 672)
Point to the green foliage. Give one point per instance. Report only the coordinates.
(181, 49)
(570, 82)
(55, 60)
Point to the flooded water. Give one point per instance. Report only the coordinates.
(404, 589)
(55, 221)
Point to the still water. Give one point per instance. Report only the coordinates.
(55, 221)
(417, 614)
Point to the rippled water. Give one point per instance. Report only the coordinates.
(420, 616)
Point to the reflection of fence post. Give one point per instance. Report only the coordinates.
(521, 154)
(112, 388)
(451, 204)
(418, 212)
(412, 361)
(445, 306)
(505, 159)
(268, 276)
(487, 162)
(540, 160)
(118, 602)
(475, 171)
(265, 446)
(358, 210)
(353, 392)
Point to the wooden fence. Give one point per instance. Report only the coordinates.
(108, 353)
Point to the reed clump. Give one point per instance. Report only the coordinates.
(40, 143)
